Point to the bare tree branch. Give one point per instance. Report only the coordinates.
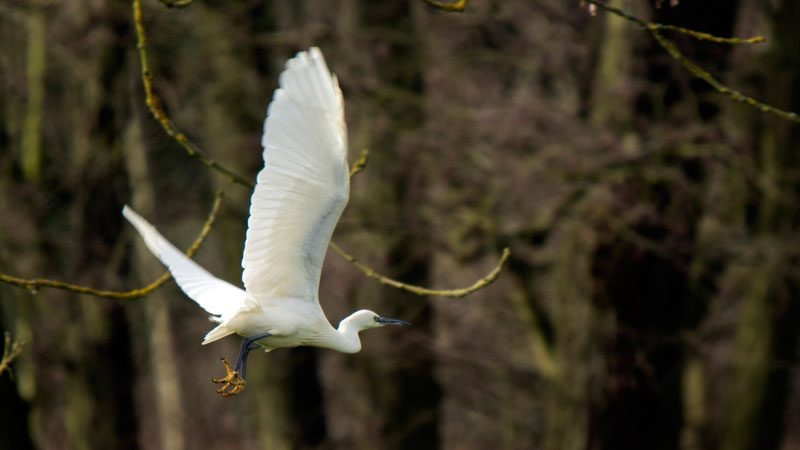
(706, 36)
(156, 107)
(457, 7)
(721, 88)
(655, 28)
(456, 293)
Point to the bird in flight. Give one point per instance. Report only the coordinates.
(299, 195)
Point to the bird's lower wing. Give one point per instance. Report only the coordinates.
(212, 294)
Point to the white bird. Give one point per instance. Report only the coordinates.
(299, 195)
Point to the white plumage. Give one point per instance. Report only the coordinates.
(299, 195)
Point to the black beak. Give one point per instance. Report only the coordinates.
(391, 321)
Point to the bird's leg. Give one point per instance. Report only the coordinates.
(233, 381)
(241, 361)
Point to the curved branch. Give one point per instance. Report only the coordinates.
(721, 88)
(706, 36)
(456, 293)
(654, 29)
(157, 109)
(34, 285)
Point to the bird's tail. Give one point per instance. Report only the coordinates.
(217, 333)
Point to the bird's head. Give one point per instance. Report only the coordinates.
(366, 319)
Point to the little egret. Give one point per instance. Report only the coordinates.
(299, 195)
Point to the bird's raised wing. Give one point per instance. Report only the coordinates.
(212, 294)
(303, 187)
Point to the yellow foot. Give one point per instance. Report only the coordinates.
(233, 383)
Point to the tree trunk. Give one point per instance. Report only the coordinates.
(767, 331)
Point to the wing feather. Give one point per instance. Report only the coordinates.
(212, 294)
(304, 185)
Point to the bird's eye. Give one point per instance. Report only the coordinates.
(375, 318)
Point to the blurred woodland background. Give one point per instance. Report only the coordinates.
(651, 300)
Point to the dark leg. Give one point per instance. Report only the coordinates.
(248, 344)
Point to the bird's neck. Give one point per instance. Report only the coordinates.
(345, 339)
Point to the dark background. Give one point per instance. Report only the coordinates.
(650, 302)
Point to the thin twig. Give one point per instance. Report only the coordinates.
(34, 285)
(456, 293)
(11, 349)
(721, 88)
(706, 36)
(361, 163)
(658, 26)
(176, 3)
(157, 109)
(654, 29)
(445, 6)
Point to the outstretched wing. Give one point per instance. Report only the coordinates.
(303, 187)
(212, 294)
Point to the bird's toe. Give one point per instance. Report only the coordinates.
(228, 376)
(232, 383)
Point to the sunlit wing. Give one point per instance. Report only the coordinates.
(212, 294)
(303, 187)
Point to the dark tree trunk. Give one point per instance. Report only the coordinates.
(410, 393)
(641, 266)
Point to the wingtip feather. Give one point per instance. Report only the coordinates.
(148, 232)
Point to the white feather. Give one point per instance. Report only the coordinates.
(303, 187)
(216, 296)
